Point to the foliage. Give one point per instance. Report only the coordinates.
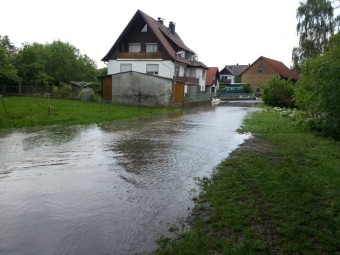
(8, 73)
(55, 91)
(279, 92)
(237, 79)
(44, 64)
(316, 23)
(65, 63)
(318, 90)
(87, 95)
(247, 88)
(30, 62)
(65, 90)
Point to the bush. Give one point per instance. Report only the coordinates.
(65, 90)
(55, 91)
(87, 95)
(247, 88)
(318, 90)
(279, 93)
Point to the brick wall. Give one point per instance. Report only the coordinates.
(255, 78)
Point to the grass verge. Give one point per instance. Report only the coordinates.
(39, 111)
(277, 194)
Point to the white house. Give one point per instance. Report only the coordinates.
(148, 46)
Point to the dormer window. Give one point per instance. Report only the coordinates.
(145, 28)
(134, 47)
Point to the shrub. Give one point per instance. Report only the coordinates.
(279, 93)
(87, 95)
(65, 90)
(247, 88)
(55, 91)
(318, 90)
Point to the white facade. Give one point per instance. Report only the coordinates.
(227, 77)
(166, 68)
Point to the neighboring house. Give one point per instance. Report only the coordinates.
(212, 80)
(148, 46)
(230, 72)
(264, 69)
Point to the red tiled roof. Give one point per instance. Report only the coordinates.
(211, 74)
(164, 36)
(278, 67)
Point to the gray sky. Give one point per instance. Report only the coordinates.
(221, 32)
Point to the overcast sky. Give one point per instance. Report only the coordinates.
(221, 32)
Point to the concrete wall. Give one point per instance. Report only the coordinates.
(130, 87)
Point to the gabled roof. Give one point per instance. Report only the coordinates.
(278, 67)
(163, 34)
(234, 69)
(211, 74)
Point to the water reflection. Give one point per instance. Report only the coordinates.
(108, 189)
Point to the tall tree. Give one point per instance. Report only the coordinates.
(316, 24)
(8, 73)
(65, 63)
(61, 61)
(30, 62)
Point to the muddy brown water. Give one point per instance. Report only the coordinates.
(108, 189)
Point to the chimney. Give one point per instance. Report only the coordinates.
(160, 20)
(172, 27)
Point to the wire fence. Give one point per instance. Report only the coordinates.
(26, 90)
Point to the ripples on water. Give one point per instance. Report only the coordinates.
(108, 189)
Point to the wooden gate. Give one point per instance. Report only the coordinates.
(178, 93)
(107, 88)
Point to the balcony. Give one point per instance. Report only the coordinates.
(139, 55)
(225, 81)
(187, 80)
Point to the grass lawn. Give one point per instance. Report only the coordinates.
(279, 193)
(39, 111)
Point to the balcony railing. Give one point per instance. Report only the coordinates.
(187, 80)
(139, 55)
(225, 81)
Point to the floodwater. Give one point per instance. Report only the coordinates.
(108, 189)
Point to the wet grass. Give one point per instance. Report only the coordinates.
(39, 111)
(277, 194)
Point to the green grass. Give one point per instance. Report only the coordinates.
(39, 111)
(277, 194)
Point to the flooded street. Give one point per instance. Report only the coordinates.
(108, 189)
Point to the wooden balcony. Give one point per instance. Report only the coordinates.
(187, 80)
(139, 55)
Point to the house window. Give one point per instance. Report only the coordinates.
(145, 28)
(203, 74)
(151, 47)
(177, 71)
(152, 69)
(260, 69)
(134, 47)
(193, 73)
(125, 67)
